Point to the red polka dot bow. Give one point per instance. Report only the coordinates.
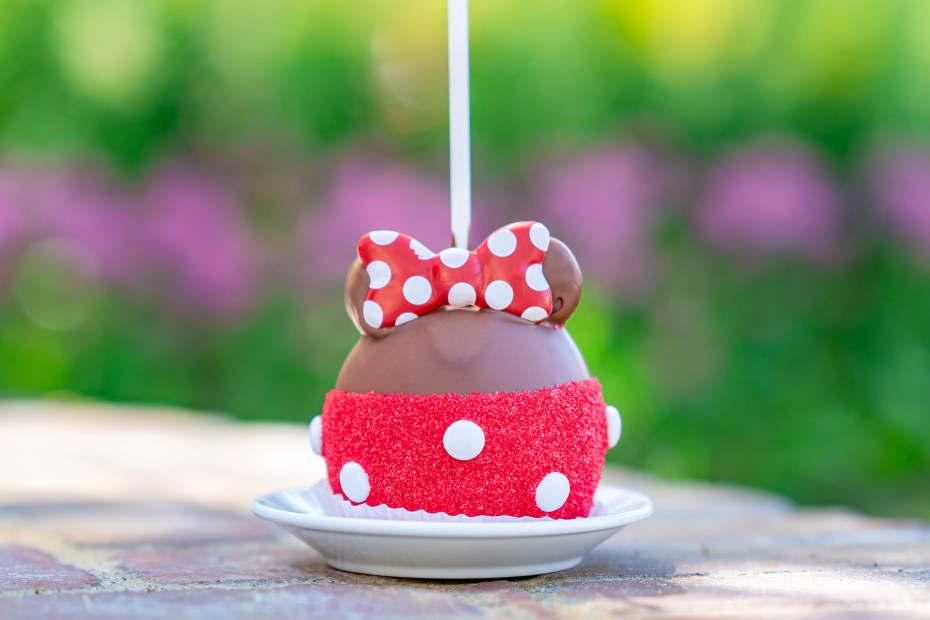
(406, 280)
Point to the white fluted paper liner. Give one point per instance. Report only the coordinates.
(334, 505)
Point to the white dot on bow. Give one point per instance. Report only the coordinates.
(422, 252)
(498, 295)
(535, 279)
(534, 314)
(462, 294)
(383, 237)
(539, 236)
(372, 313)
(379, 274)
(454, 257)
(502, 243)
(417, 290)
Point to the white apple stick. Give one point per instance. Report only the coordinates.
(459, 123)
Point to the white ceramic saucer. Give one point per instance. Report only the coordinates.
(434, 550)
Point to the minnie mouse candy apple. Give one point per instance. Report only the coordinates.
(465, 395)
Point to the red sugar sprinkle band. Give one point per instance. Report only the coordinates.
(537, 453)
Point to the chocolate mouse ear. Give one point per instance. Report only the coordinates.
(356, 289)
(564, 276)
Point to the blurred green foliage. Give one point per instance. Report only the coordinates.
(132, 79)
(813, 380)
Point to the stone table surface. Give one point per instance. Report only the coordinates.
(115, 512)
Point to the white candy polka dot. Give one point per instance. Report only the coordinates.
(614, 426)
(372, 313)
(534, 313)
(552, 492)
(383, 237)
(454, 257)
(498, 295)
(379, 274)
(422, 252)
(463, 440)
(405, 317)
(417, 290)
(316, 435)
(462, 294)
(502, 243)
(354, 482)
(539, 236)
(535, 278)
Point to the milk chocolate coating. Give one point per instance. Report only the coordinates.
(460, 351)
(564, 277)
(465, 350)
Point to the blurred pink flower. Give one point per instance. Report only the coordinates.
(771, 198)
(368, 193)
(81, 205)
(900, 186)
(603, 204)
(183, 230)
(195, 233)
(12, 218)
